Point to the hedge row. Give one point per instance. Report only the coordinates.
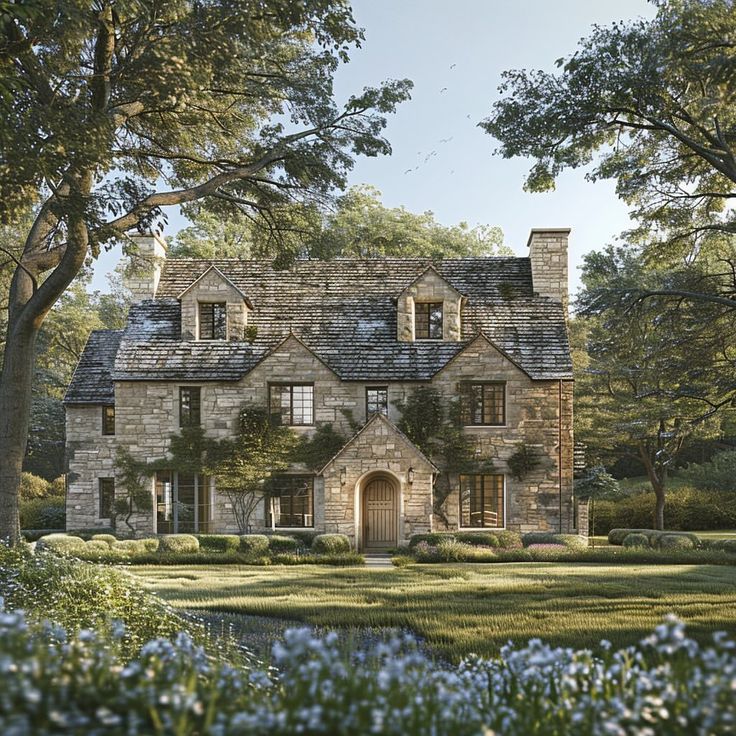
(500, 539)
(686, 509)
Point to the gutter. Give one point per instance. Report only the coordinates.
(559, 446)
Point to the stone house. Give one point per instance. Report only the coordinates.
(340, 342)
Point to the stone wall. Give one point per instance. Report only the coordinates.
(429, 287)
(548, 255)
(145, 263)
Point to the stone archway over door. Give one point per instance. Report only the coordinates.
(380, 514)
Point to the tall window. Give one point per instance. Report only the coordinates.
(182, 502)
(190, 412)
(428, 320)
(108, 420)
(213, 321)
(376, 400)
(292, 404)
(483, 404)
(292, 500)
(481, 501)
(107, 497)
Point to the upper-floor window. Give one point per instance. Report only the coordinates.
(376, 400)
(212, 321)
(107, 497)
(483, 404)
(190, 406)
(108, 420)
(292, 500)
(428, 320)
(481, 501)
(292, 404)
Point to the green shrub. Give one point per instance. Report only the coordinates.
(675, 541)
(90, 532)
(97, 547)
(109, 539)
(130, 547)
(571, 541)
(402, 560)
(57, 487)
(33, 486)
(48, 512)
(433, 538)
(509, 540)
(726, 545)
(636, 540)
(306, 537)
(219, 542)
(338, 559)
(150, 544)
(478, 539)
(64, 544)
(33, 535)
(331, 544)
(256, 544)
(617, 536)
(178, 543)
(717, 474)
(281, 543)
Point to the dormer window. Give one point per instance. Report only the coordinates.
(213, 321)
(428, 321)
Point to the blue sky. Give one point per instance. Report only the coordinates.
(455, 53)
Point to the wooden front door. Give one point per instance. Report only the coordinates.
(380, 515)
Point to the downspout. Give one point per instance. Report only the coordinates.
(559, 445)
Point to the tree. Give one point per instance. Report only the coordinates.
(120, 109)
(650, 104)
(359, 226)
(640, 388)
(243, 466)
(596, 484)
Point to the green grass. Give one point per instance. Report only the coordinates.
(461, 609)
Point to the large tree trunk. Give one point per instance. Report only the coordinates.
(658, 482)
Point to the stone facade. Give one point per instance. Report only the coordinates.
(538, 410)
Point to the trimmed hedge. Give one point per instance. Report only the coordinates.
(478, 539)
(331, 544)
(433, 538)
(636, 540)
(305, 538)
(571, 541)
(255, 544)
(281, 543)
(48, 512)
(179, 543)
(500, 538)
(64, 544)
(675, 541)
(109, 539)
(654, 537)
(219, 542)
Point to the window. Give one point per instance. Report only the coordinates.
(108, 420)
(213, 321)
(483, 404)
(292, 404)
(190, 414)
(428, 320)
(182, 502)
(481, 501)
(107, 497)
(376, 400)
(292, 500)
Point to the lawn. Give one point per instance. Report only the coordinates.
(461, 609)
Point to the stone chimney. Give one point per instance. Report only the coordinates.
(548, 254)
(142, 272)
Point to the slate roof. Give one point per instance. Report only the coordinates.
(344, 310)
(92, 379)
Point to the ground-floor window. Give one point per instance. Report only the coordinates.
(107, 497)
(182, 502)
(482, 501)
(292, 501)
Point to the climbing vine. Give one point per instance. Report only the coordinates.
(523, 461)
(135, 496)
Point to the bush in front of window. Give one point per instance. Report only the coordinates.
(179, 543)
(479, 539)
(282, 543)
(571, 541)
(305, 538)
(219, 542)
(331, 544)
(254, 544)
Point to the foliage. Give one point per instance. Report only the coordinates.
(178, 543)
(523, 461)
(675, 541)
(331, 544)
(432, 538)
(282, 543)
(359, 226)
(688, 509)
(571, 541)
(718, 474)
(43, 513)
(255, 544)
(597, 484)
(219, 542)
(31, 486)
(131, 493)
(244, 464)
(636, 540)
(80, 596)
(305, 537)
(501, 538)
(649, 104)
(318, 448)
(478, 539)
(61, 543)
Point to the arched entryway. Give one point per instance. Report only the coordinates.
(380, 513)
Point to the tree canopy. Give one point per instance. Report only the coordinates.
(359, 225)
(648, 103)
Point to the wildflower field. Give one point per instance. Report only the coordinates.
(464, 609)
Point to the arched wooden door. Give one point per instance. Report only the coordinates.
(380, 515)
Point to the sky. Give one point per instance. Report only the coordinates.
(455, 53)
